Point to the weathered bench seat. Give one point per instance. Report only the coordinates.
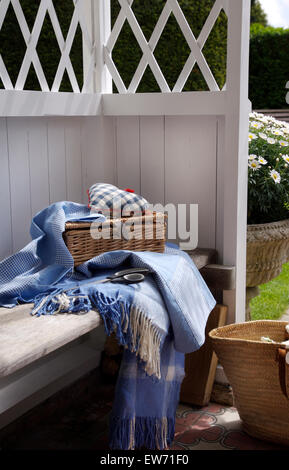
(24, 338)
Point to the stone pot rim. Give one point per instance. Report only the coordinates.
(267, 251)
(277, 224)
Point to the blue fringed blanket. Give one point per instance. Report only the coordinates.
(157, 320)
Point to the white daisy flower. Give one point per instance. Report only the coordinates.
(283, 143)
(275, 176)
(254, 164)
(252, 136)
(256, 125)
(271, 119)
(277, 132)
(271, 141)
(286, 130)
(262, 161)
(263, 136)
(252, 157)
(285, 158)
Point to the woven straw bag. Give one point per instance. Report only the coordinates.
(258, 373)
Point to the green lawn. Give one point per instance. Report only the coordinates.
(274, 298)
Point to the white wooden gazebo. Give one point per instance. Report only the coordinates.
(172, 146)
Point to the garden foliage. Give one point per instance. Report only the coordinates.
(269, 67)
(268, 183)
(258, 15)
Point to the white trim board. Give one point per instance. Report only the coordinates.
(39, 103)
(164, 104)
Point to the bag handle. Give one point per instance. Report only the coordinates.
(283, 371)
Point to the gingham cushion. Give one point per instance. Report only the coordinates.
(105, 197)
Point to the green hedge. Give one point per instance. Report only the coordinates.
(269, 67)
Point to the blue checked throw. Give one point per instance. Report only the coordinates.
(157, 320)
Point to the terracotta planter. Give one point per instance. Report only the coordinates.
(267, 251)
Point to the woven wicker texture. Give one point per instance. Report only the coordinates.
(267, 251)
(147, 233)
(253, 369)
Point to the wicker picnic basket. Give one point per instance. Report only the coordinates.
(258, 373)
(147, 234)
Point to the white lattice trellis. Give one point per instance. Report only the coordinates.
(65, 45)
(104, 58)
(148, 58)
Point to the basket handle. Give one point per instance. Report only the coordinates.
(283, 371)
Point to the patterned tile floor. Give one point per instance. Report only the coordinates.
(84, 427)
(214, 427)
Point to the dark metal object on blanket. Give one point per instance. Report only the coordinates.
(127, 276)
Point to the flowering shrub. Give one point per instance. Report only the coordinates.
(268, 180)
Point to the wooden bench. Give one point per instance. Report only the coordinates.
(41, 355)
(280, 114)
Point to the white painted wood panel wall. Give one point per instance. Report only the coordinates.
(171, 160)
(43, 160)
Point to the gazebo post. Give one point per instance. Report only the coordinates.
(98, 16)
(102, 25)
(235, 163)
